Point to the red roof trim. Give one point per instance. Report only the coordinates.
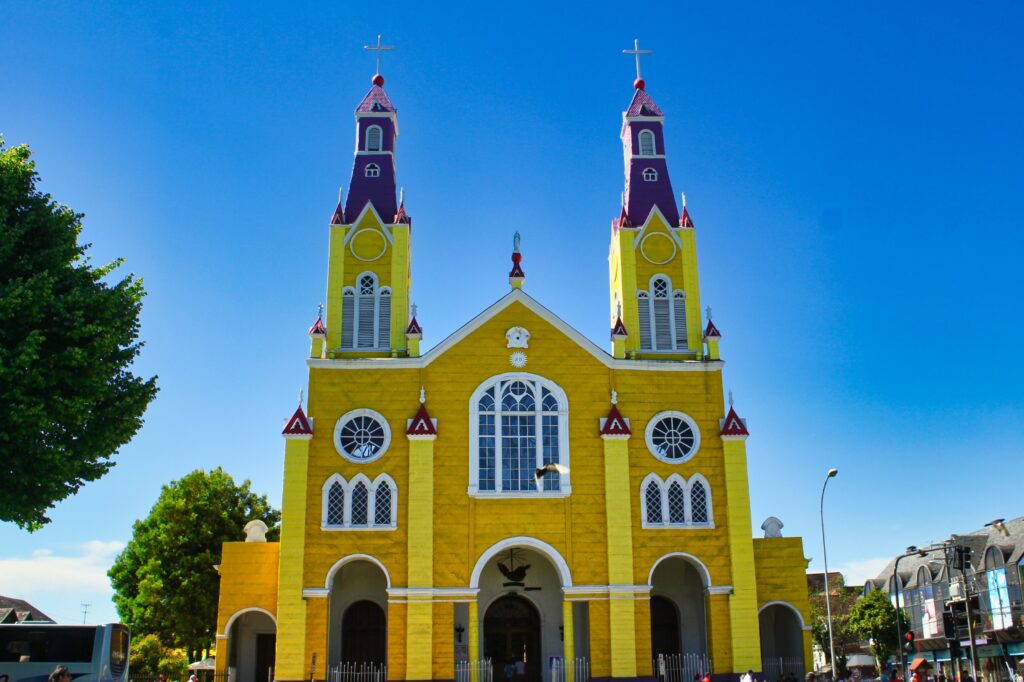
(517, 271)
(733, 425)
(684, 220)
(421, 424)
(615, 424)
(318, 328)
(711, 331)
(619, 329)
(414, 327)
(339, 216)
(298, 424)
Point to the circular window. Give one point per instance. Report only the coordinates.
(362, 435)
(672, 436)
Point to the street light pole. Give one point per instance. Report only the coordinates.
(824, 550)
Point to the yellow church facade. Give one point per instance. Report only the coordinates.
(517, 502)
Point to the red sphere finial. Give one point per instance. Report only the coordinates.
(639, 84)
(378, 80)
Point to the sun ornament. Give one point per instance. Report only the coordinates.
(517, 359)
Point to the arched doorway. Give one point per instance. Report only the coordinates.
(252, 639)
(782, 642)
(364, 633)
(512, 636)
(665, 636)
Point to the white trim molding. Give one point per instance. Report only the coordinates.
(795, 610)
(549, 552)
(329, 581)
(241, 612)
(697, 563)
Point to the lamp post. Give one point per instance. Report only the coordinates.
(824, 550)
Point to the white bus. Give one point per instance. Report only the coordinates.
(29, 652)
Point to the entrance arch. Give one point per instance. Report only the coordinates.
(512, 638)
(782, 641)
(665, 635)
(678, 581)
(364, 633)
(252, 638)
(357, 612)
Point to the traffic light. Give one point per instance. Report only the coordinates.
(948, 625)
(967, 558)
(908, 642)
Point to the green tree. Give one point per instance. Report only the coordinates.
(68, 336)
(164, 581)
(149, 658)
(843, 636)
(874, 619)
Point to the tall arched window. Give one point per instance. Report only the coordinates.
(373, 139)
(675, 503)
(698, 503)
(336, 504)
(372, 170)
(360, 504)
(518, 423)
(652, 502)
(662, 316)
(366, 317)
(646, 143)
(382, 506)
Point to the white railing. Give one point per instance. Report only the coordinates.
(474, 671)
(775, 667)
(681, 667)
(573, 670)
(358, 672)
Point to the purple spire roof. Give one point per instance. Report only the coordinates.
(376, 100)
(643, 105)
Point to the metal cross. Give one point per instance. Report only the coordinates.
(730, 397)
(380, 48)
(637, 52)
(320, 311)
(708, 311)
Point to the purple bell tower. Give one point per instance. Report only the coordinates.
(643, 146)
(373, 171)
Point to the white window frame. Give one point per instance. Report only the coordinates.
(357, 296)
(371, 502)
(647, 297)
(649, 432)
(361, 412)
(650, 175)
(474, 439)
(380, 139)
(687, 487)
(372, 170)
(646, 134)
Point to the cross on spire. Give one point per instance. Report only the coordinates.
(380, 48)
(636, 51)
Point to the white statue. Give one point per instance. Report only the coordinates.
(255, 531)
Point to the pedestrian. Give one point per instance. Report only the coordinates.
(520, 670)
(748, 677)
(193, 677)
(510, 670)
(707, 677)
(60, 674)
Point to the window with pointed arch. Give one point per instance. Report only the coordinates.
(374, 137)
(645, 142)
(359, 504)
(675, 502)
(650, 175)
(372, 170)
(518, 424)
(662, 313)
(366, 315)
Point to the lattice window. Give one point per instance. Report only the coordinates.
(373, 139)
(360, 504)
(698, 503)
(652, 499)
(646, 139)
(372, 170)
(520, 426)
(650, 175)
(382, 505)
(336, 504)
(676, 503)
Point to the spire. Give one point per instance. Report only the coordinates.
(298, 425)
(711, 331)
(684, 219)
(402, 216)
(643, 141)
(516, 276)
(421, 424)
(619, 329)
(414, 327)
(615, 424)
(732, 425)
(318, 328)
(339, 214)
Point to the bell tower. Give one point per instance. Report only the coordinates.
(655, 296)
(369, 267)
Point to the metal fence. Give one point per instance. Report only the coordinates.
(573, 670)
(358, 672)
(681, 667)
(776, 667)
(474, 671)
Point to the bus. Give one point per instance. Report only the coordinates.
(94, 653)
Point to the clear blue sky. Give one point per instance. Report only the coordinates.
(854, 172)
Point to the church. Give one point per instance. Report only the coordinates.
(518, 502)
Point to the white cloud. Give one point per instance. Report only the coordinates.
(856, 572)
(57, 582)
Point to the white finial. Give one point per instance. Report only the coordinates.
(615, 397)
(423, 395)
(622, 199)
(401, 196)
(708, 311)
(300, 397)
(730, 397)
(637, 51)
(414, 309)
(320, 311)
(515, 243)
(683, 194)
(378, 49)
(339, 195)
(618, 310)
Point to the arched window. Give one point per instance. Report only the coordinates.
(676, 503)
(698, 503)
(997, 590)
(652, 502)
(366, 317)
(650, 175)
(359, 504)
(372, 170)
(646, 143)
(518, 424)
(662, 313)
(373, 139)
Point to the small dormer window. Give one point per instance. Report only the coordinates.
(650, 175)
(373, 139)
(646, 143)
(372, 170)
